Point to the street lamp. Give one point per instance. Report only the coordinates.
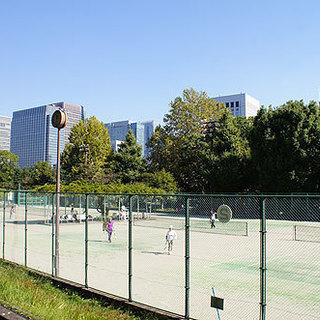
(208, 128)
(59, 120)
(85, 148)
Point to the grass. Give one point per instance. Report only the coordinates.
(37, 298)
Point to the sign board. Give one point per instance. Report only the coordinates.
(217, 303)
(224, 213)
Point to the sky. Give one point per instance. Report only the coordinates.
(128, 59)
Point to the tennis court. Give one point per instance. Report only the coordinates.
(226, 258)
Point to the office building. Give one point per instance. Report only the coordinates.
(149, 127)
(5, 129)
(33, 138)
(241, 105)
(142, 131)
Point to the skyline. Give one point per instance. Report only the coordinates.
(133, 58)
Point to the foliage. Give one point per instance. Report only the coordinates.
(83, 186)
(229, 156)
(43, 173)
(128, 162)
(93, 134)
(215, 163)
(186, 113)
(160, 179)
(285, 145)
(9, 169)
(197, 164)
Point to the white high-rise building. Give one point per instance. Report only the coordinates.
(5, 131)
(241, 105)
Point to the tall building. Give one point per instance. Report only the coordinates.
(33, 138)
(149, 127)
(142, 131)
(5, 129)
(241, 105)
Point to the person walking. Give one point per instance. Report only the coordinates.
(12, 211)
(110, 228)
(170, 237)
(213, 219)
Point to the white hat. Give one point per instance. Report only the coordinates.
(170, 227)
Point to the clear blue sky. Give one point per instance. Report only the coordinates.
(127, 59)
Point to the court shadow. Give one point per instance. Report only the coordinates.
(153, 252)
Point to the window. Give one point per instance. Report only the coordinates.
(227, 104)
(232, 105)
(237, 104)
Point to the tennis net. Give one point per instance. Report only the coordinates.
(306, 233)
(239, 228)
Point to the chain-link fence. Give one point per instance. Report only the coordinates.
(164, 251)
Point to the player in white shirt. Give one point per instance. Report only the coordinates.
(170, 236)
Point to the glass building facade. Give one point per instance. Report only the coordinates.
(142, 131)
(5, 129)
(34, 139)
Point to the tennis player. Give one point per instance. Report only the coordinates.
(213, 219)
(109, 228)
(170, 236)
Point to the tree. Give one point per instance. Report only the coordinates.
(43, 173)
(128, 163)
(229, 155)
(89, 164)
(187, 112)
(175, 147)
(218, 162)
(160, 179)
(285, 145)
(8, 169)
(26, 178)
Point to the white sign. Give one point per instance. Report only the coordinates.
(224, 213)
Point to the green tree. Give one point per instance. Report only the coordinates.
(177, 147)
(90, 165)
(218, 162)
(160, 179)
(9, 169)
(285, 144)
(26, 178)
(228, 155)
(43, 173)
(128, 163)
(187, 112)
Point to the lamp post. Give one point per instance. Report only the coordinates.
(59, 120)
(85, 148)
(208, 128)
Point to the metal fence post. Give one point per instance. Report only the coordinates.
(187, 260)
(130, 249)
(263, 269)
(86, 242)
(26, 230)
(52, 235)
(4, 224)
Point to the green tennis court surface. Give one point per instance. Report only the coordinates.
(228, 263)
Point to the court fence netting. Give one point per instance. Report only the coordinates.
(262, 264)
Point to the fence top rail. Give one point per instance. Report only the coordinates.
(184, 195)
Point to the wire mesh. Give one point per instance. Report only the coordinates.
(158, 277)
(293, 266)
(226, 257)
(108, 244)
